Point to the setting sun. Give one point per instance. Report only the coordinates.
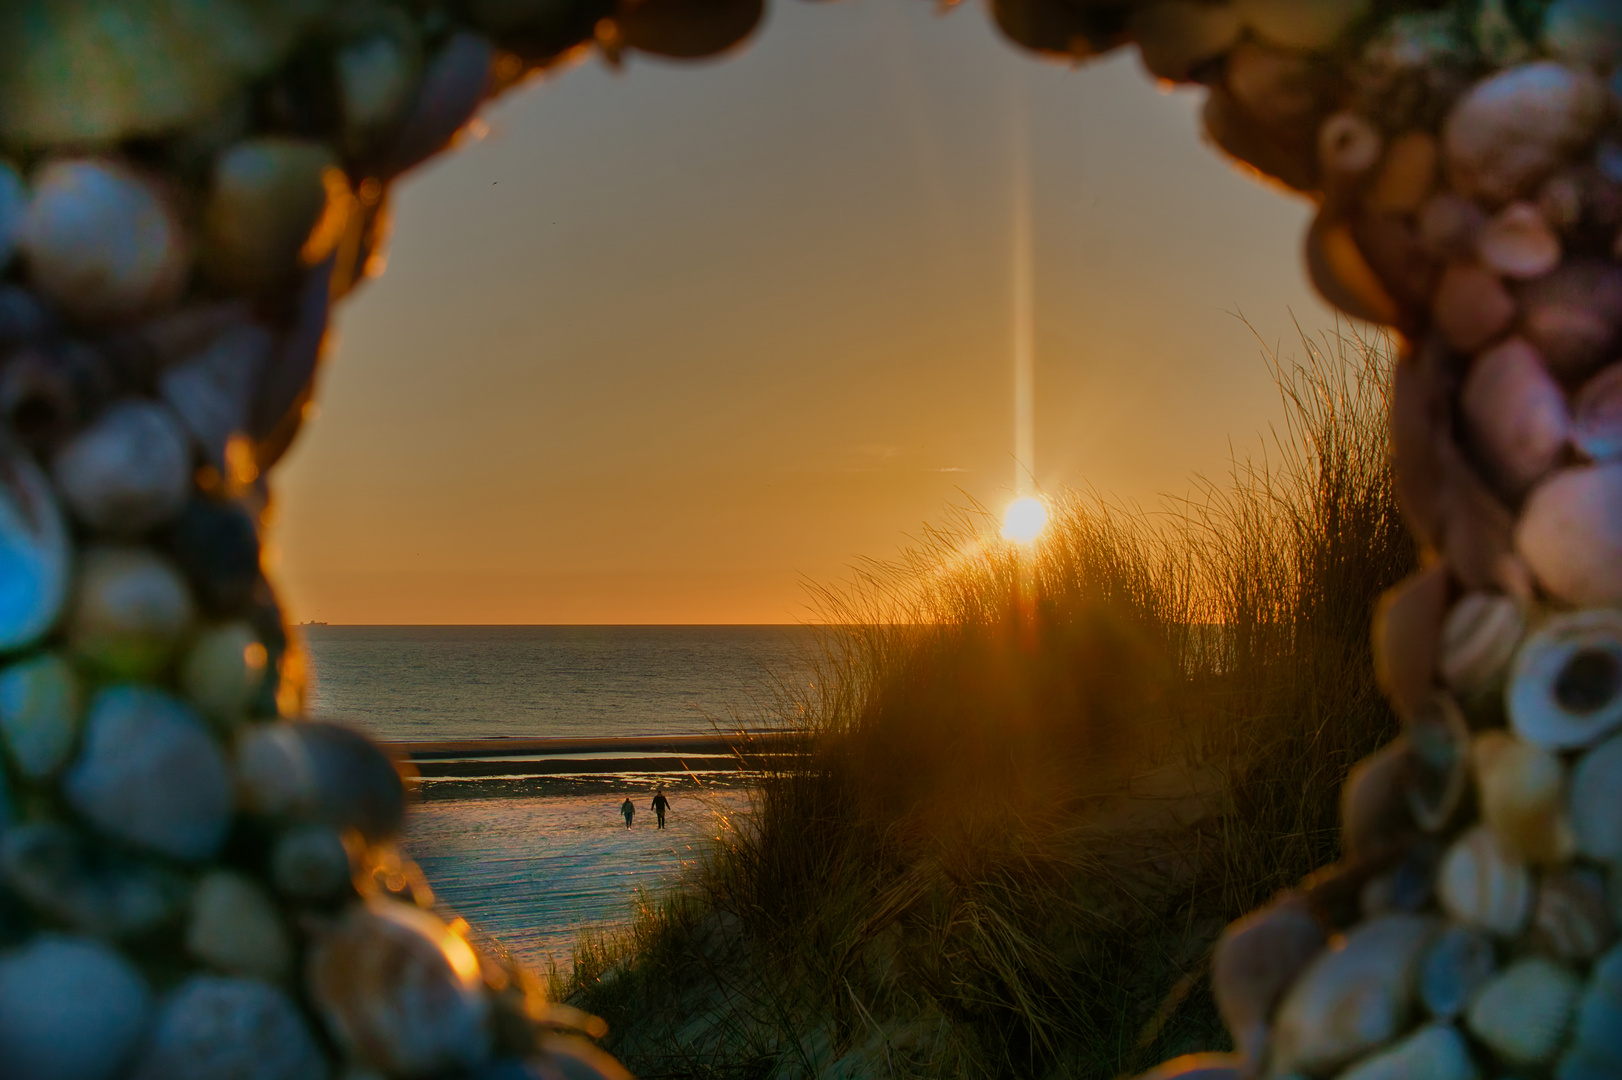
(1024, 519)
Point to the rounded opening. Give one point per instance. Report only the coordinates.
(1589, 681)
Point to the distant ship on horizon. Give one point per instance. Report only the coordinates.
(312, 622)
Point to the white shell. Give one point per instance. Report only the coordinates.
(128, 471)
(40, 702)
(223, 670)
(1596, 811)
(1435, 1052)
(130, 613)
(1597, 421)
(1353, 998)
(70, 1009)
(1524, 1012)
(1516, 412)
(101, 240)
(1565, 687)
(1301, 24)
(1518, 243)
(1176, 36)
(1479, 638)
(34, 553)
(1522, 792)
(150, 774)
(1482, 885)
(213, 1028)
(1454, 967)
(213, 391)
(1512, 130)
(235, 928)
(1570, 534)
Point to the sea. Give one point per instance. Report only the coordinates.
(534, 870)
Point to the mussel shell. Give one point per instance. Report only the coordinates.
(1565, 687)
(70, 1009)
(454, 83)
(215, 1028)
(283, 389)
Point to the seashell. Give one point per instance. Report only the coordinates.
(688, 29)
(1596, 1049)
(1573, 317)
(40, 701)
(1351, 999)
(266, 197)
(1457, 964)
(1472, 308)
(1596, 425)
(70, 1009)
(1584, 32)
(1203, 1066)
(23, 319)
(1449, 226)
(106, 70)
(1241, 137)
(310, 862)
(222, 672)
(1440, 743)
(1510, 131)
(1285, 91)
(210, 1028)
(234, 927)
(1301, 24)
(1435, 1051)
(1522, 791)
(1479, 638)
(150, 774)
(1516, 413)
(376, 72)
(1570, 534)
(1178, 36)
(455, 81)
(13, 208)
(213, 392)
(1406, 623)
(1408, 886)
(216, 545)
(1348, 145)
(1518, 243)
(131, 611)
(1392, 246)
(1412, 68)
(1523, 1013)
(400, 991)
(320, 772)
(102, 241)
(1565, 686)
(1596, 813)
(1374, 811)
(34, 552)
(128, 471)
(1484, 886)
(1342, 274)
(1255, 960)
(1408, 177)
(564, 1053)
(278, 406)
(99, 891)
(1570, 921)
(1498, 34)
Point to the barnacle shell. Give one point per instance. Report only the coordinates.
(1479, 638)
(1176, 36)
(1518, 243)
(1570, 534)
(1596, 812)
(1513, 129)
(128, 471)
(40, 700)
(70, 1009)
(1301, 24)
(1522, 792)
(267, 194)
(1524, 1011)
(1596, 425)
(1454, 967)
(1573, 317)
(400, 991)
(1483, 885)
(1517, 413)
(1351, 999)
(214, 1028)
(1570, 921)
(1566, 683)
(1435, 1051)
(1253, 962)
(235, 928)
(130, 613)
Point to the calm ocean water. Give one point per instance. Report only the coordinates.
(533, 870)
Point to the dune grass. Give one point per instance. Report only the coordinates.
(1037, 781)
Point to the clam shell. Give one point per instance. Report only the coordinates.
(1457, 964)
(1374, 812)
(1570, 921)
(70, 1009)
(266, 196)
(1177, 36)
(151, 775)
(1597, 1040)
(1301, 24)
(131, 611)
(102, 241)
(310, 862)
(1570, 534)
(213, 1028)
(1597, 421)
(1573, 317)
(222, 671)
(1510, 131)
(1479, 638)
(1516, 414)
(1406, 624)
(320, 772)
(454, 83)
(1522, 792)
(1596, 812)
(213, 391)
(1523, 1013)
(1441, 748)
(1255, 960)
(1483, 886)
(34, 552)
(1518, 243)
(97, 890)
(1408, 176)
(1565, 686)
(40, 702)
(235, 928)
(1435, 1051)
(13, 208)
(1352, 999)
(128, 471)
(1472, 308)
(399, 991)
(1584, 32)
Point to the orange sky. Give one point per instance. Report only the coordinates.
(671, 340)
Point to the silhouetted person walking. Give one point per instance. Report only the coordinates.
(660, 804)
(628, 808)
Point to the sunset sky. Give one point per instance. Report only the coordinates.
(671, 340)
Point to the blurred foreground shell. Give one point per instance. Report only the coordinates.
(235, 928)
(1597, 421)
(1478, 639)
(1436, 1052)
(128, 471)
(266, 197)
(1596, 811)
(1301, 24)
(214, 1028)
(1524, 1011)
(1176, 36)
(40, 700)
(1570, 534)
(69, 877)
(1454, 967)
(1254, 960)
(70, 1009)
(1566, 684)
(1517, 414)
(320, 772)
(131, 610)
(1523, 797)
(34, 552)
(1484, 886)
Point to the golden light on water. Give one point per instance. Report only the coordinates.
(1024, 519)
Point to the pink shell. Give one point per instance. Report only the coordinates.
(1570, 534)
(1518, 242)
(1516, 413)
(1597, 427)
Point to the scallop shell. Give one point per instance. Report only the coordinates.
(1596, 812)
(222, 671)
(34, 552)
(70, 1009)
(1457, 964)
(1518, 243)
(1597, 421)
(310, 862)
(93, 888)
(1352, 999)
(321, 772)
(1584, 32)
(1573, 317)
(1570, 921)
(1483, 886)
(1479, 638)
(1301, 24)
(454, 83)
(1472, 308)
(1406, 624)
(102, 241)
(130, 613)
(128, 471)
(1566, 684)
(40, 702)
(1513, 129)
(211, 1028)
(266, 196)
(1255, 960)
(400, 991)
(1441, 751)
(1522, 792)
(235, 928)
(1523, 1013)
(213, 391)
(1435, 1051)
(151, 775)
(1408, 176)
(1177, 36)
(1570, 534)
(1516, 413)
(1374, 812)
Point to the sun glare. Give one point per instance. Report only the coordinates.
(1024, 519)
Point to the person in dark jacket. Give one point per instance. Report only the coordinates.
(628, 808)
(660, 804)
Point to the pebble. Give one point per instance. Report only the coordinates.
(222, 671)
(236, 928)
(70, 1009)
(215, 1028)
(40, 703)
(128, 471)
(131, 611)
